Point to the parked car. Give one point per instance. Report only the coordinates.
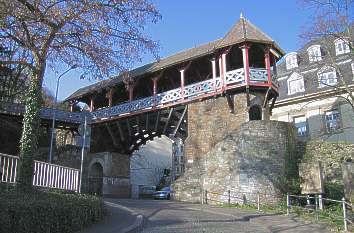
(147, 191)
(164, 193)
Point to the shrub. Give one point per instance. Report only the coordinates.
(44, 211)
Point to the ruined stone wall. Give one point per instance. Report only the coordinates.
(208, 123)
(257, 157)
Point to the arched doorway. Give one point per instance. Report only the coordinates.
(255, 113)
(96, 179)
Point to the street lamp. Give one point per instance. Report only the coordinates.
(53, 121)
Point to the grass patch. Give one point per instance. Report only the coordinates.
(44, 211)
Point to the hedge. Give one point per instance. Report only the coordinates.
(47, 212)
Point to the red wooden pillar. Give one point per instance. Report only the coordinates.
(129, 86)
(267, 65)
(182, 82)
(221, 72)
(155, 80)
(109, 96)
(213, 66)
(72, 105)
(246, 64)
(92, 104)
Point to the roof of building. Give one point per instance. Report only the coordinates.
(242, 31)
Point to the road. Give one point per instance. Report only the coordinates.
(175, 217)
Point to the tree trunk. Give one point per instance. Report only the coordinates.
(29, 139)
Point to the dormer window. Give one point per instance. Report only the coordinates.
(295, 84)
(291, 61)
(314, 53)
(327, 77)
(342, 46)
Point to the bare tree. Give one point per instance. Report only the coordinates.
(332, 20)
(102, 36)
(153, 170)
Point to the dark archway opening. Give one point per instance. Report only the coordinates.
(96, 179)
(255, 113)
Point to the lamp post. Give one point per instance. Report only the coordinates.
(53, 120)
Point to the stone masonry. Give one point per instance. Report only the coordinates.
(233, 146)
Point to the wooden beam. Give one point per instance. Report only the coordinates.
(272, 105)
(168, 121)
(137, 123)
(147, 122)
(114, 140)
(157, 121)
(230, 103)
(128, 126)
(266, 97)
(180, 121)
(121, 135)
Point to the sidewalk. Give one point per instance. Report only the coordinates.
(120, 220)
(273, 222)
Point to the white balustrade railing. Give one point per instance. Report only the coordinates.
(8, 168)
(258, 75)
(235, 76)
(45, 174)
(190, 91)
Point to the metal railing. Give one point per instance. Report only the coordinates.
(229, 198)
(45, 174)
(316, 204)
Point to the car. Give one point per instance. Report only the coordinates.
(164, 193)
(147, 191)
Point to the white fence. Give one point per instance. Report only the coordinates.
(44, 175)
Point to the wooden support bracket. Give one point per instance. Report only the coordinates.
(266, 97)
(168, 121)
(230, 103)
(180, 120)
(121, 135)
(114, 140)
(157, 121)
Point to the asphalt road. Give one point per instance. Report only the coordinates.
(174, 217)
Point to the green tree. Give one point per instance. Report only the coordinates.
(102, 36)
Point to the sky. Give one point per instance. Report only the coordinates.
(188, 23)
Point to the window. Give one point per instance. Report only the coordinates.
(314, 53)
(342, 46)
(301, 125)
(291, 60)
(295, 84)
(332, 120)
(327, 77)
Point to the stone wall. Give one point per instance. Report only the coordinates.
(114, 180)
(115, 177)
(209, 122)
(255, 158)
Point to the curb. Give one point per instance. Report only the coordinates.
(137, 226)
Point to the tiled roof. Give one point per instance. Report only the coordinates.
(242, 31)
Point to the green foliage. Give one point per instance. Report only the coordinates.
(334, 190)
(29, 139)
(45, 211)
